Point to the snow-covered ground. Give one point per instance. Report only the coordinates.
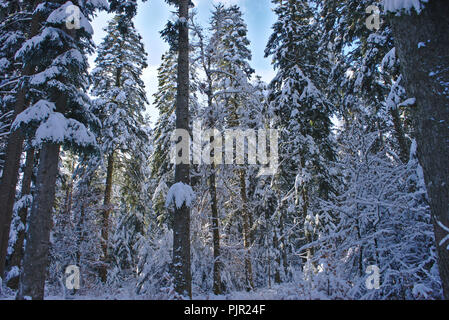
(286, 291)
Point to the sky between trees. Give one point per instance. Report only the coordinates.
(153, 15)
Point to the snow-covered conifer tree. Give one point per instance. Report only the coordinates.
(302, 109)
(60, 116)
(120, 105)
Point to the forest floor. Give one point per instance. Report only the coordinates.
(287, 291)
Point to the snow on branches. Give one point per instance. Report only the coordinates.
(397, 6)
(53, 126)
(180, 194)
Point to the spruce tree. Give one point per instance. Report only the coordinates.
(13, 34)
(61, 117)
(302, 109)
(162, 169)
(120, 105)
(232, 74)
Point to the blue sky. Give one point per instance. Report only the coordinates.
(153, 15)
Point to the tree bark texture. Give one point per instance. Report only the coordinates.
(181, 225)
(426, 73)
(12, 161)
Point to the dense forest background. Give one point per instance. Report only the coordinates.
(357, 207)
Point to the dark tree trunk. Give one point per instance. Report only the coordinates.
(81, 234)
(214, 210)
(106, 217)
(283, 242)
(181, 226)
(246, 231)
(218, 288)
(277, 259)
(277, 239)
(215, 232)
(400, 136)
(35, 261)
(69, 192)
(107, 206)
(426, 74)
(8, 191)
(17, 255)
(12, 161)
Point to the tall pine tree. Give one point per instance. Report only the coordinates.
(120, 105)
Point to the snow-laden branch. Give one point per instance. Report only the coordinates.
(396, 6)
(180, 194)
